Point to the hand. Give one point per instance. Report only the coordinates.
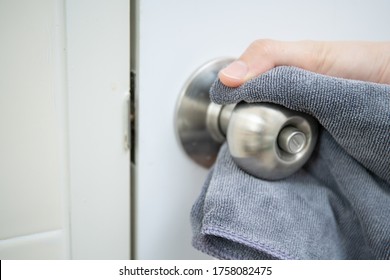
(366, 61)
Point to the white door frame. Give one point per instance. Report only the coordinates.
(98, 73)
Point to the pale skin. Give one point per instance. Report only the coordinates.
(365, 61)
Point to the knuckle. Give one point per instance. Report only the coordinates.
(263, 46)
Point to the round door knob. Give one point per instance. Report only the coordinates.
(266, 140)
(270, 141)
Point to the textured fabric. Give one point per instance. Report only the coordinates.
(336, 207)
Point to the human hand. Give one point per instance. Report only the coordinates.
(355, 113)
(366, 61)
(347, 174)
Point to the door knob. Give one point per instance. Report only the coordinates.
(266, 140)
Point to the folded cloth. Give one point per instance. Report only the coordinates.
(336, 207)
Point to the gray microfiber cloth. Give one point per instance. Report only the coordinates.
(336, 207)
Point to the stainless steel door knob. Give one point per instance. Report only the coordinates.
(266, 140)
(270, 141)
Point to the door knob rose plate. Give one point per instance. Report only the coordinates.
(191, 114)
(266, 140)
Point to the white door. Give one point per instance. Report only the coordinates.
(64, 161)
(174, 38)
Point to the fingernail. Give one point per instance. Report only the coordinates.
(236, 70)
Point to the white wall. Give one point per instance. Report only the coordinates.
(64, 167)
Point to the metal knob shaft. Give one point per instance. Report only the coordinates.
(266, 140)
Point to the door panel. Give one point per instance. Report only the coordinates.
(175, 38)
(33, 135)
(64, 162)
